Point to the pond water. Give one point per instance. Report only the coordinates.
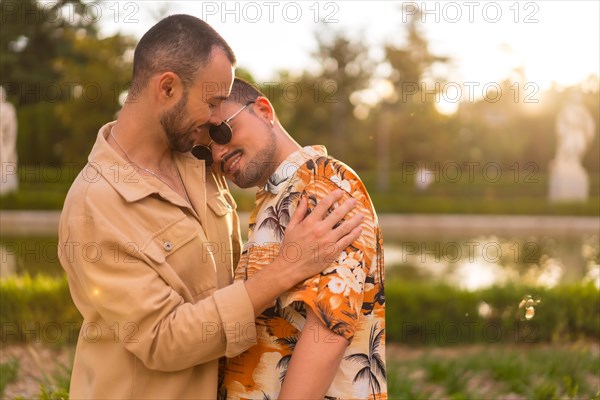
(478, 261)
(467, 261)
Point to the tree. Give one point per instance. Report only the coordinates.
(410, 113)
(316, 107)
(63, 79)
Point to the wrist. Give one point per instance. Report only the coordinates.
(287, 274)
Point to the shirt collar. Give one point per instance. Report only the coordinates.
(106, 163)
(290, 165)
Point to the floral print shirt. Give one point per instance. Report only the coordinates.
(347, 296)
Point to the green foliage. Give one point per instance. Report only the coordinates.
(472, 372)
(66, 82)
(38, 309)
(53, 394)
(425, 314)
(34, 200)
(57, 387)
(507, 196)
(532, 372)
(417, 313)
(8, 373)
(63, 79)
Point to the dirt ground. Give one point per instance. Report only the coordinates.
(39, 363)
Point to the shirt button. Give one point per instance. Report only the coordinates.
(168, 246)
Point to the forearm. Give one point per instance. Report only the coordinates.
(195, 333)
(137, 307)
(315, 361)
(267, 284)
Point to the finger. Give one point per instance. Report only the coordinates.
(339, 213)
(344, 231)
(349, 238)
(325, 203)
(299, 213)
(347, 226)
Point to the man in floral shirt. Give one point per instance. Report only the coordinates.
(325, 338)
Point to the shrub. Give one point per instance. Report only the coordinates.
(38, 309)
(420, 313)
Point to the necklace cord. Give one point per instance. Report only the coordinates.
(157, 176)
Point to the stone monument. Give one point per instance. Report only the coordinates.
(9, 181)
(575, 130)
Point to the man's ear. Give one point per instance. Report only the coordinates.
(168, 86)
(264, 108)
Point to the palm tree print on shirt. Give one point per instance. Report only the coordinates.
(278, 216)
(347, 296)
(373, 364)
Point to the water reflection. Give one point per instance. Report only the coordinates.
(467, 262)
(481, 261)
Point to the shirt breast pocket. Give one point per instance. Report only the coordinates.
(182, 256)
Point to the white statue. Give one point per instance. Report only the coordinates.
(8, 146)
(575, 130)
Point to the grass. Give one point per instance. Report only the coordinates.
(8, 373)
(37, 371)
(557, 371)
(495, 371)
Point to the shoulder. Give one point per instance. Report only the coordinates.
(328, 167)
(88, 180)
(329, 174)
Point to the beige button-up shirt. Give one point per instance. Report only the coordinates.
(152, 278)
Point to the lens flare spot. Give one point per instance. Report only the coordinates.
(529, 313)
(528, 304)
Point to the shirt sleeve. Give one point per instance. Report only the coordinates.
(336, 294)
(114, 286)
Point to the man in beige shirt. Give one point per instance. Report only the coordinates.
(149, 237)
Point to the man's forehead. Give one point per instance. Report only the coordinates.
(213, 90)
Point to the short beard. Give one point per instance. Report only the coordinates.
(261, 167)
(172, 122)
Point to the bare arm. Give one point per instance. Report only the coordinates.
(315, 361)
(306, 233)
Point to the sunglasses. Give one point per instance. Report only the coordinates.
(220, 134)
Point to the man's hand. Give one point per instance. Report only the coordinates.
(316, 244)
(314, 237)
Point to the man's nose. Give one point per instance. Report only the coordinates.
(219, 151)
(216, 115)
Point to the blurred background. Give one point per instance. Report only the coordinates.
(474, 126)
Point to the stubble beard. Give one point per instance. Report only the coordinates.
(173, 123)
(261, 167)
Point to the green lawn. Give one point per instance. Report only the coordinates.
(550, 371)
(542, 371)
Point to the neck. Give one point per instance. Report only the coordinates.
(141, 137)
(286, 145)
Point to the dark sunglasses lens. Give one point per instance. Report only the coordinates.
(203, 153)
(221, 134)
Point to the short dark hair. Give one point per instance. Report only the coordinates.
(178, 43)
(243, 92)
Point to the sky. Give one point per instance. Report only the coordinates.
(553, 41)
